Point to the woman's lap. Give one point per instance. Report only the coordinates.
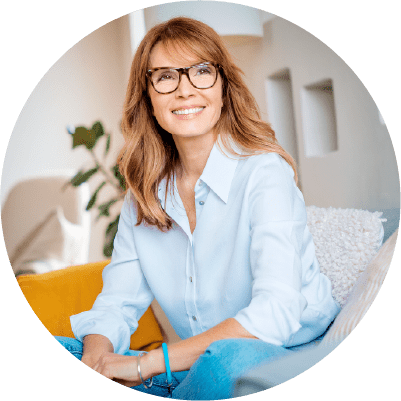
(159, 386)
(214, 373)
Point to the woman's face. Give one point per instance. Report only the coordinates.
(204, 105)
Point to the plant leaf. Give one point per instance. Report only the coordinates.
(104, 208)
(76, 178)
(112, 226)
(119, 177)
(107, 144)
(110, 235)
(80, 177)
(94, 196)
(83, 136)
(108, 248)
(98, 130)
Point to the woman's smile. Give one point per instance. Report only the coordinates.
(186, 113)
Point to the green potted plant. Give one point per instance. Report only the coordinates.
(89, 138)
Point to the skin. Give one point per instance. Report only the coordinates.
(194, 136)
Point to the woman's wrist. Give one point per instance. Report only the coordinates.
(152, 364)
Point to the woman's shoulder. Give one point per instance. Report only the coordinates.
(268, 163)
(129, 204)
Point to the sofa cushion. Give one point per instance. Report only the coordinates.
(57, 295)
(346, 240)
(54, 243)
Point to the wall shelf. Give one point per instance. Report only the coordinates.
(280, 110)
(319, 119)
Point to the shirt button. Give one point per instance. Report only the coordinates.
(200, 183)
(190, 279)
(194, 318)
(201, 203)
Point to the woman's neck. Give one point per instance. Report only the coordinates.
(193, 152)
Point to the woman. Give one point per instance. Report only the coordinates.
(213, 226)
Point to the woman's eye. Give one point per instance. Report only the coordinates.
(204, 71)
(166, 76)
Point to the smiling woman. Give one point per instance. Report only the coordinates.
(213, 226)
(150, 153)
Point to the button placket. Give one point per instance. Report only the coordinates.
(201, 193)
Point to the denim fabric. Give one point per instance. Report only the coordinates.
(213, 375)
(159, 386)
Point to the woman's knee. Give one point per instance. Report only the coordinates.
(236, 346)
(224, 356)
(237, 355)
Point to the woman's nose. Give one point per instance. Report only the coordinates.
(185, 87)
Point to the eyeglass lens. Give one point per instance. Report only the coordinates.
(202, 76)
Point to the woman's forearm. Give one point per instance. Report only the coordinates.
(94, 346)
(183, 354)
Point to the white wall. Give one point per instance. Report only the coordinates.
(362, 173)
(89, 81)
(86, 84)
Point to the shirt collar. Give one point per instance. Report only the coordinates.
(219, 171)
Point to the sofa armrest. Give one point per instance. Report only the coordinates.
(363, 294)
(275, 372)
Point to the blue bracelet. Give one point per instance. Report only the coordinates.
(168, 369)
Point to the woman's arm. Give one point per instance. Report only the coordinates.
(95, 345)
(98, 354)
(125, 295)
(183, 354)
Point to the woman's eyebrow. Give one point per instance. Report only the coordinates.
(174, 68)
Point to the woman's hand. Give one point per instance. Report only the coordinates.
(120, 368)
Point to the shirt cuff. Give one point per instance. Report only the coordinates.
(106, 324)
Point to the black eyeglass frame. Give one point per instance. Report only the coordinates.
(185, 71)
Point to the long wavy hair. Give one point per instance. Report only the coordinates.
(149, 153)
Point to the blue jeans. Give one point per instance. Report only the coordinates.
(213, 375)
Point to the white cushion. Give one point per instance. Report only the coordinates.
(52, 244)
(346, 240)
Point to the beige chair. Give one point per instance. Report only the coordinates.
(45, 224)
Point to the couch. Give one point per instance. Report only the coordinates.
(360, 298)
(46, 233)
(348, 244)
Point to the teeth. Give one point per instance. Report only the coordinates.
(188, 111)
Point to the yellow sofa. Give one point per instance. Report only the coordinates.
(57, 295)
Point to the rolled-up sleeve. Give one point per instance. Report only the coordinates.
(126, 294)
(277, 222)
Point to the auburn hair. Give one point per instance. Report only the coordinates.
(149, 153)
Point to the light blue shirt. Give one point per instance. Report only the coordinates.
(251, 257)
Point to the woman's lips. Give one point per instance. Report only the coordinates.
(186, 113)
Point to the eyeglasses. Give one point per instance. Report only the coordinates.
(166, 80)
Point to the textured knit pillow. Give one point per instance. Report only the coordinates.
(346, 240)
